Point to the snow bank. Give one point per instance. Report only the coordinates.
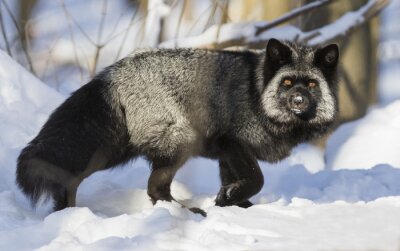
(25, 104)
(303, 205)
(301, 225)
(369, 141)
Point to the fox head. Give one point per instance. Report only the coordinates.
(299, 83)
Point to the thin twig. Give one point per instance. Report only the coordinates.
(72, 19)
(96, 59)
(121, 46)
(211, 16)
(125, 30)
(178, 26)
(115, 26)
(4, 33)
(293, 14)
(103, 17)
(99, 45)
(223, 19)
(72, 38)
(49, 58)
(200, 17)
(27, 28)
(23, 44)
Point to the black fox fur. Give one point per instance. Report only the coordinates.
(171, 104)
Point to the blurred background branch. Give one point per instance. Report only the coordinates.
(256, 35)
(293, 14)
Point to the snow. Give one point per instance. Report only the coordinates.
(389, 54)
(376, 136)
(346, 198)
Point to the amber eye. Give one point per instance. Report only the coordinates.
(312, 84)
(287, 82)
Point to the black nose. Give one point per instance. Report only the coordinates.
(297, 99)
(301, 103)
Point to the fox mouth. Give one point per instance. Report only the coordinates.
(296, 111)
(299, 102)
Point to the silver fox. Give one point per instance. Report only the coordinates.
(171, 104)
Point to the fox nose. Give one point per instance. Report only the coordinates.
(297, 99)
(300, 102)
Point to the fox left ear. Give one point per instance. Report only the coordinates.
(277, 52)
(327, 56)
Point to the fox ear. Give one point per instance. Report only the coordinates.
(327, 56)
(277, 52)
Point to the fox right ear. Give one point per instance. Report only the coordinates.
(328, 56)
(278, 52)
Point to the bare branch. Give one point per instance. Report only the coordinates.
(72, 19)
(101, 25)
(346, 24)
(20, 35)
(198, 19)
(99, 45)
(178, 26)
(121, 46)
(211, 16)
(244, 33)
(223, 18)
(293, 14)
(49, 58)
(4, 33)
(134, 22)
(96, 60)
(72, 38)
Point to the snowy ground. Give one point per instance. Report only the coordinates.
(347, 198)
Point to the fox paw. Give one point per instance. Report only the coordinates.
(228, 194)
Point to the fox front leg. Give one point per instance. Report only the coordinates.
(228, 177)
(241, 176)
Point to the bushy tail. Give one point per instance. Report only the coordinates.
(38, 178)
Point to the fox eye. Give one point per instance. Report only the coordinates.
(312, 84)
(287, 82)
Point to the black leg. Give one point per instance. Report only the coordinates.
(64, 196)
(241, 176)
(159, 184)
(60, 199)
(67, 184)
(228, 176)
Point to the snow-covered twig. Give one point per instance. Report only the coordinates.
(244, 33)
(293, 14)
(345, 25)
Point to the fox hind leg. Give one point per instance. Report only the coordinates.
(162, 174)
